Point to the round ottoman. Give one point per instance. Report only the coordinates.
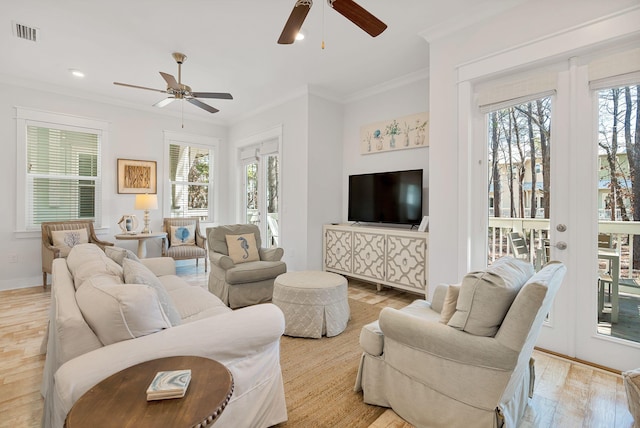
(314, 303)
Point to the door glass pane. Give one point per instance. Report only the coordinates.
(519, 181)
(273, 183)
(252, 214)
(618, 204)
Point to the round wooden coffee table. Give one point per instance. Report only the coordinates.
(121, 399)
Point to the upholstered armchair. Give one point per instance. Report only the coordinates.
(59, 236)
(184, 240)
(463, 359)
(242, 273)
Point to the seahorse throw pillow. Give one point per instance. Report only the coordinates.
(242, 248)
(183, 235)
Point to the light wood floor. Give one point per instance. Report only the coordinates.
(567, 394)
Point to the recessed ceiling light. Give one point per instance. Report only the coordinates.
(76, 73)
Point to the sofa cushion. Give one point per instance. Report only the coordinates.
(137, 273)
(118, 254)
(117, 312)
(485, 296)
(86, 260)
(65, 240)
(183, 235)
(254, 272)
(450, 303)
(191, 301)
(242, 248)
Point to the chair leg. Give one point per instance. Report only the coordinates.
(205, 264)
(44, 280)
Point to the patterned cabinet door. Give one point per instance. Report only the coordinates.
(406, 261)
(338, 250)
(368, 255)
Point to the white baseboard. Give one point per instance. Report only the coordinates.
(15, 283)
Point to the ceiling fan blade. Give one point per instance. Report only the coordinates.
(171, 81)
(164, 102)
(139, 87)
(219, 95)
(359, 16)
(294, 23)
(202, 105)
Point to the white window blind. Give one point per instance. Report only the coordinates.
(190, 172)
(63, 173)
(514, 90)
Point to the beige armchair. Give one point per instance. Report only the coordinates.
(473, 370)
(54, 245)
(242, 283)
(187, 242)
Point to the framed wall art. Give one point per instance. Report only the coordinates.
(137, 176)
(408, 132)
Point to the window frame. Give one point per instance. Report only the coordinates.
(30, 117)
(200, 142)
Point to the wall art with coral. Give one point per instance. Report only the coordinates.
(408, 132)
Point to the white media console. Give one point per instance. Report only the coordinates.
(385, 256)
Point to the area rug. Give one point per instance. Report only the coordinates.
(319, 375)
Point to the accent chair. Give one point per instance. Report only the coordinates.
(242, 272)
(59, 236)
(184, 240)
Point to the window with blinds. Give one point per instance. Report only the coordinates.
(190, 172)
(63, 173)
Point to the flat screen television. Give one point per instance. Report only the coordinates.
(386, 197)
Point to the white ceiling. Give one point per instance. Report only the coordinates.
(230, 44)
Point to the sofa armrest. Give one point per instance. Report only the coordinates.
(221, 260)
(251, 333)
(160, 266)
(446, 342)
(271, 254)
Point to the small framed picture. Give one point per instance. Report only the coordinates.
(424, 224)
(137, 176)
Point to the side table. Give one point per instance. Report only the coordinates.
(121, 399)
(142, 240)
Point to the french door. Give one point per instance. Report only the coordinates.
(560, 176)
(260, 192)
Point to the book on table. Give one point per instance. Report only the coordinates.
(169, 384)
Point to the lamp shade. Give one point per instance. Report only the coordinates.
(146, 202)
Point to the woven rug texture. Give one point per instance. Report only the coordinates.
(319, 375)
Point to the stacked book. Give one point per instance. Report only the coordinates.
(169, 384)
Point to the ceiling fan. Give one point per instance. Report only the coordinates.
(179, 91)
(347, 8)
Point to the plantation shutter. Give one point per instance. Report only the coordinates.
(190, 169)
(63, 174)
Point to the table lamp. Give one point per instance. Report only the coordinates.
(146, 202)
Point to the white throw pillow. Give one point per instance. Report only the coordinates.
(137, 273)
(65, 240)
(242, 248)
(183, 235)
(117, 312)
(118, 254)
(450, 303)
(86, 260)
(486, 296)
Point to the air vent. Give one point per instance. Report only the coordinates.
(25, 32)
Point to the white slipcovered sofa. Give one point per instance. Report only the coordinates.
(463, 359)
(112, 312)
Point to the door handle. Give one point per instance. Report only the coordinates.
(561, 245)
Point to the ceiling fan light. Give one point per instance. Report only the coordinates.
(300, 36)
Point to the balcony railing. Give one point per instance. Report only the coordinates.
(536, 231)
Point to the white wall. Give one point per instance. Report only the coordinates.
(292, 117)
(500, 45)
(400, 101)
(133, 134)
